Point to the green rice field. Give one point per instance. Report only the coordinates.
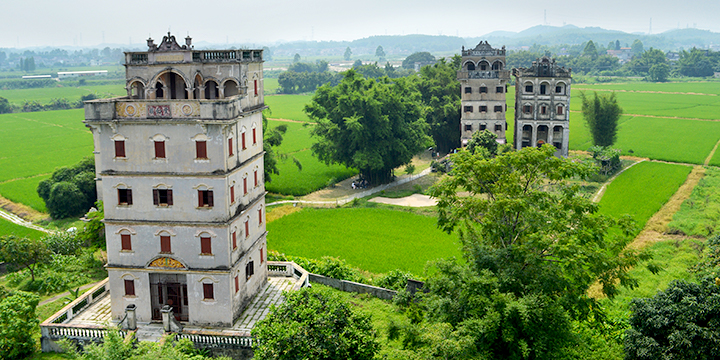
(376, 240)
(699, 215)
(8, 228)
(288, 107)
(45, 95)
(642, 190)
(59, 139)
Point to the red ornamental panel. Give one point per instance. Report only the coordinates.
(158, 111)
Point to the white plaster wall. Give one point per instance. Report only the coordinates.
(119, 301)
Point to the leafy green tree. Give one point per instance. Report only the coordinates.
(93, 233)
(695, 63)
(637, 47)
(533, 247)
(373, 126)
(272, 138)
(23, 252)
(358, 63)
(296, 58)
(5, 106)
(485, 140)
(440, 96)
(314, 324)
(63, 243)
(601, 114)
(65, 200)
(70, 190)
(380, 53)
(348, 54)
(18, 323)
(659, 72)
(409, 62)
(590, 50)
(642, 64)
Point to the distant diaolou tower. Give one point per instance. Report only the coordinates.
(483, 84)
(542, 105)
(180, 163)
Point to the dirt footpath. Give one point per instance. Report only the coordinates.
(414, 200)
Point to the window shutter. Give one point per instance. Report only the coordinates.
(245, 186)
(254, 136)
(129, 287)
(205, 245)
(243, 141)
(255, 83)
(129, 196)
(200, 198)
(256, 178)
(211, 201)
(208, 292)
(247, 228)
(156, 196)
(169, 197)
(249, 270)
(230, 146)
(201, 149)
(126, 242)
(261, 255)
(160, 149)
(237, 284)
(119, 148)
(234, 240)
(260, 216)
(165, 244)
(232, 194)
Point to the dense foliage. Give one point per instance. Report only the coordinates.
(314, 324)
(421, 57)
(18, 322)
(606, 158)
(601, 114)
(22, 252)
(71, 190)
(440, 95)
(373, 126)
(115, 347)
(533, 248)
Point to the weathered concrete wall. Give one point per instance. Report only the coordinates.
(350, 286)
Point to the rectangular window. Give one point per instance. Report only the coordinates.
(529, 89)
(208, 293)
(560, 110)
(498, 127)
(245, 190)
(205, 245)
(468, 127)
(262, 255)
(124, 197)
(165, 244)
(129, 287)
(125, 241)
(527, 109)
(159, 149)
(468, 90)
(483, 89)
(256, 178)
(260, 217)
(119, 148)
(237, 284)
(482, 127)
(558, 89)
(498, 108)
(483, 108)
(242, 138)
(162, 197)
(234, 240)
(232, 194)
(230, 147)
(201, 149)
(254, 136)
(499, 89)
(543, 89)
(247, 228)
(249, 270)
(255, 85)
(468, 109)
(205, 198)
(543, 110)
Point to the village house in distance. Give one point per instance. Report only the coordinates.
(179, 163)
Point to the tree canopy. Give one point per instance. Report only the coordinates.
(533, 248)
(24, 252)
(314, 324)
(380, 52)
(348, 53)
(373, 126)
(440, 95)
(18, 323)
(601, 114)
(409, 62)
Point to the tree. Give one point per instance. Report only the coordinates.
(5, 106)
(440, 96)
(18, 323)
(485, 140)
(533, 247)
(314, 324)
(659, 72)
(370, 125)
(601, 114)
(272, 138)
(637, 47)
(24, 252)
(348, 53)
(380, 53)
(296, 58)
(409, 62)
(70, 190)
(590, 50)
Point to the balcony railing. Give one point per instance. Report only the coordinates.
(289, 269)
(484, 74)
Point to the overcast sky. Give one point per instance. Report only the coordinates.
(29, 23)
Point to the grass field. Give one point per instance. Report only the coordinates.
(699, 215)
(288, 106)
(376, 240)
(45, 95)
(314, 174)
(642, 190)
(8, 228)
(270, 85)
(60, 139)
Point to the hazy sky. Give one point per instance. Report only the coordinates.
(90, 23)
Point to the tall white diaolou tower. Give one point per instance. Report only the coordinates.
(542, 106)
(180, 163)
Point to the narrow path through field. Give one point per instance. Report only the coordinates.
(658, 116)
(712, 153)
(601, 191)
(20, 221)
(288, 120)
(646, 91)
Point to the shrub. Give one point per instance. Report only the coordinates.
(17, 325)
(395, 279)
(607, 159)
(70, 190)
(63, 243)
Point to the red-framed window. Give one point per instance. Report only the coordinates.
(129, 287)
(255, 175)
(234, 240)
(208, 292)
(205, 198)
(119, 148)
(242, 138)
(205, 245)
(237, 284)
(247, 228)
(254, 136)
(162, 197)
(165, 246)
(245, 189)
(159, 149)
(201, 149)
(232, 194)
(125, 242)
(230, 147)
(124, 197)
(260, 217)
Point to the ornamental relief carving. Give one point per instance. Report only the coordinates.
(145, 110)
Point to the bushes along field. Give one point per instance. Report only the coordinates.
(699, 215)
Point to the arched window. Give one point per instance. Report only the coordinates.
(497, 65)
(211, 90)
(484, 65)
(137, 90)
(470, 66)
(119, 144)
(231, 88)
(159, 91)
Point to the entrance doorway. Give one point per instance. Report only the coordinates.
(169, 289)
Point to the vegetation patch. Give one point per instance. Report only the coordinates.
(376, 240)
(9, 228)
(288, 107)
(642, 190)
(699, 215)
(47, 94)
(24, 191)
